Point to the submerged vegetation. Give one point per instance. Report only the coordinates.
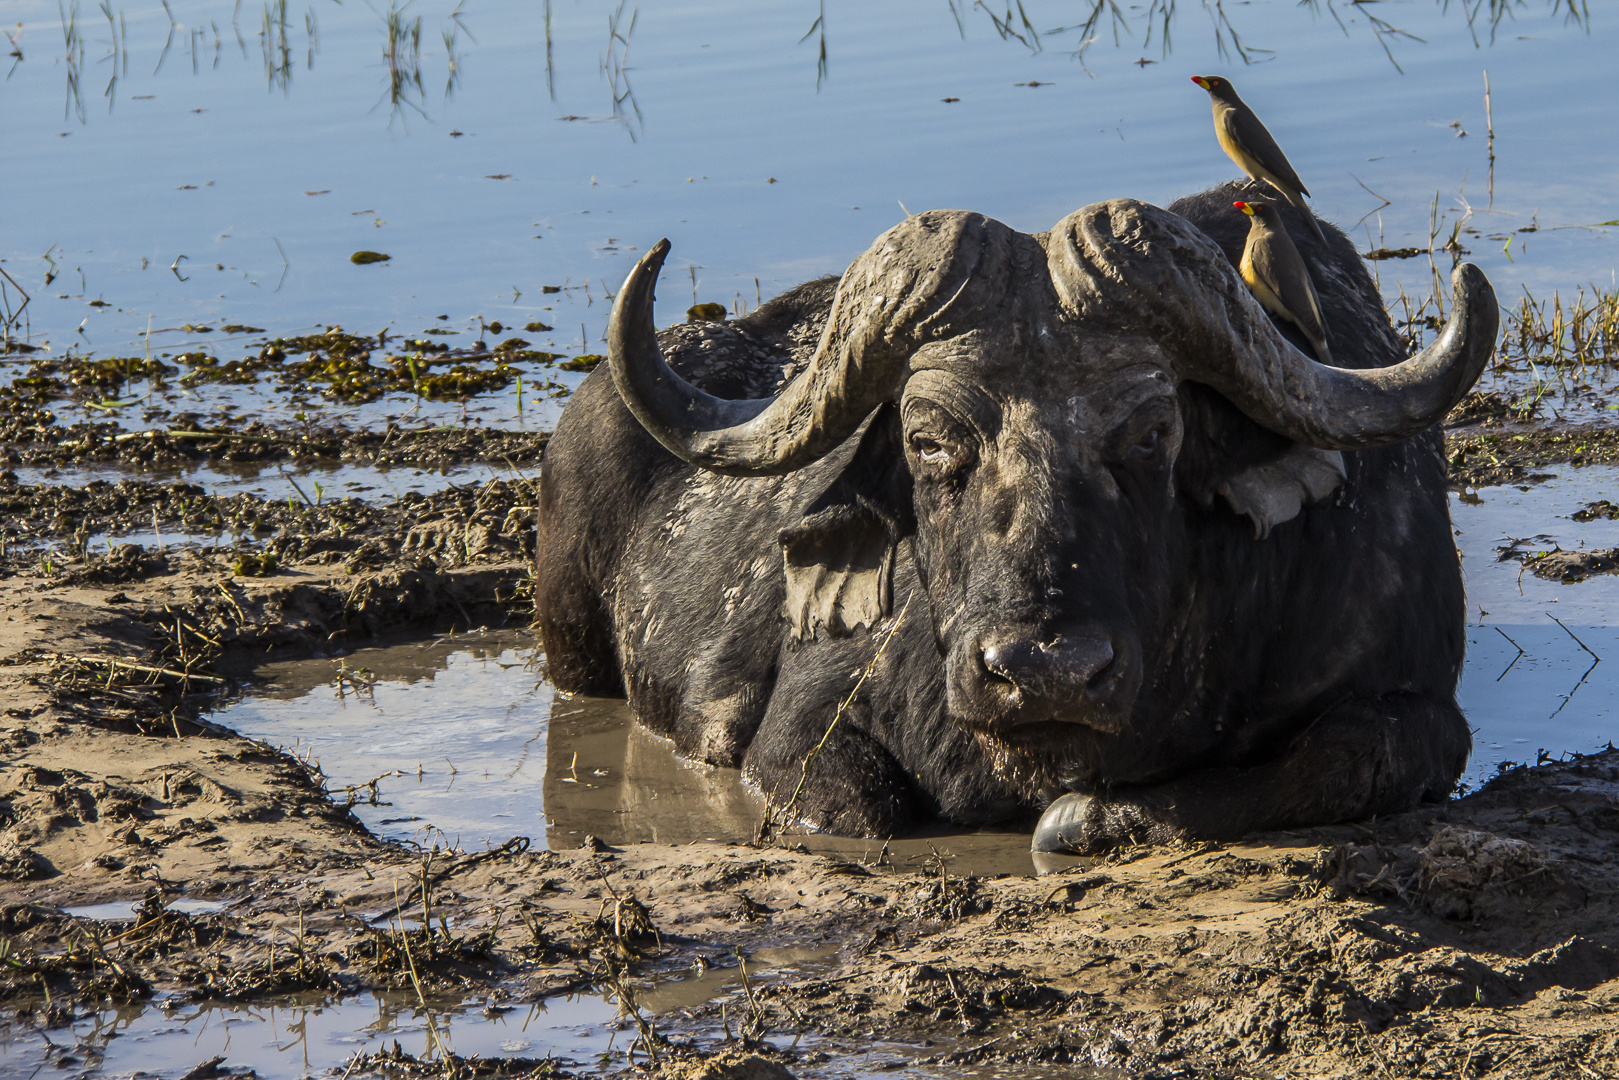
(347, 368)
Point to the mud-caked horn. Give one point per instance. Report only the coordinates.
(926, 278)
(1345, 409)
(1138, 265)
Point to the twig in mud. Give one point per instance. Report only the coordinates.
(353, 790)
(515, 846)
(416, 982)
(240, 615)
(756, 1026)
(631, 919)
(288, 477)
(155, 433)
(961, 1006)
(120, 663)
(767, 827)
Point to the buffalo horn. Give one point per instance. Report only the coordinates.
(1346, 409)
(927, 278)
(1142, 269)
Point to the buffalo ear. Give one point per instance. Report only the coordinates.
(1256, 473)
(1274, 491)
(839, 559)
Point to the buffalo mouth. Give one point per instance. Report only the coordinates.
(1008, 684)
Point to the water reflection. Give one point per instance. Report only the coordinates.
(608, 776)
(1011, 21)
(402, 50)
(439, 741)
(277, 49)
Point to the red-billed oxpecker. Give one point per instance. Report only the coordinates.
(1275, 274)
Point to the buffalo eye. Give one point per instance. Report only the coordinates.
(1147, 444)
(931, 451)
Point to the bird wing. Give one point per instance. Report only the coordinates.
(1278, 263)
(1246, 130)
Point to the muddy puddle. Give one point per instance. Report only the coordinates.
(309, 1037)
(321, 1035)
(127, 910)
(469, 745)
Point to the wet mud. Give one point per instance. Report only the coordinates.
(194, 441)
(1487, 453)
(1470, 939)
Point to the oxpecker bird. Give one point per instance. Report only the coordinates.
(1250, 145)
(1275, 274)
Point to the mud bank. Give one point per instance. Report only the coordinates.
(1477, 938)
(1492, 452)
(196, 440)
(47, 529)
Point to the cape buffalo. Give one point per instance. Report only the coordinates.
(1062, 512)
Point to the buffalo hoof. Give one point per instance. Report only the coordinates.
(1062, 826)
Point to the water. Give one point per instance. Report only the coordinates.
(465, 721)
(317, 1035)
(1555, 696)
(553, 153)
(126, 910)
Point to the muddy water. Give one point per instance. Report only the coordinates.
(470, 745)
(304, 1037)
(458, 725)
(318, 1035)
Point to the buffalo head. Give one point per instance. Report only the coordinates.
(1026, 401)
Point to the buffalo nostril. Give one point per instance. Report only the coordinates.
(1068, 665)
(1003, 660)
(1102, 675)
